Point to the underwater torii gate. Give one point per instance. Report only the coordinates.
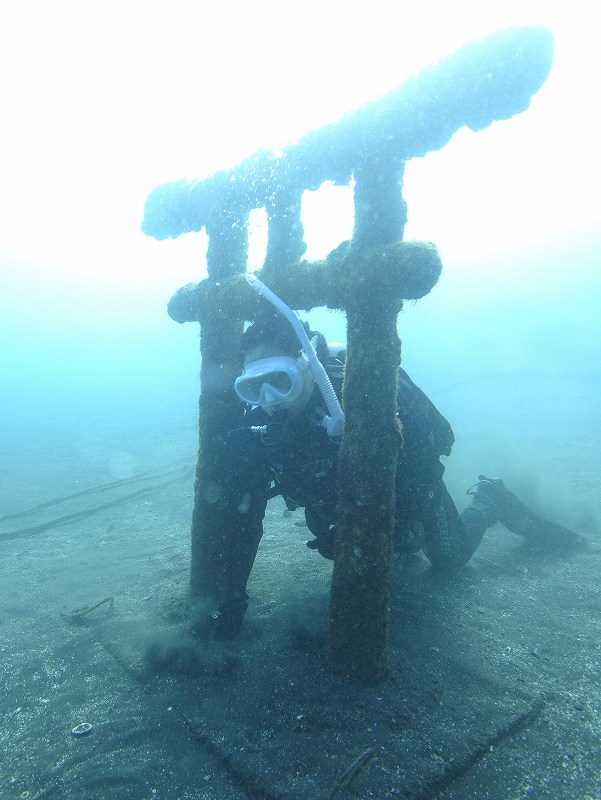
(368, 277)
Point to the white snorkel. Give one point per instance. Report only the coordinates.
(334, 423)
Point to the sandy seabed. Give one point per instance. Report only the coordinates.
(494, 687)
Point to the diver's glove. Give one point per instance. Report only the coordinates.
(324, 543)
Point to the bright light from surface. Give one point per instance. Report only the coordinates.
(100, 103)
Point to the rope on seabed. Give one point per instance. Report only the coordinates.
(78, 614)
(158, 472)
(458, 769)
(88, 512)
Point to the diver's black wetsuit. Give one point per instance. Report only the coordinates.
(295, 457)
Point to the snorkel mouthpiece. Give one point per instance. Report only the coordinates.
(334, 422)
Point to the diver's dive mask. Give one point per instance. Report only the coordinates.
(333, 421)
(277, 383)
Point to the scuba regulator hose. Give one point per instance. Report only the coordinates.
(334, 421)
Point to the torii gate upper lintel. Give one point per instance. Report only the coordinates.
(491, 79)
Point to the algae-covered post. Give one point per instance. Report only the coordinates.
(487, 80)
(358, 639)
(219, 410)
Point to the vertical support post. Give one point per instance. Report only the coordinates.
(358, 636)
(285, 243)
(219, 411)
(380, 211)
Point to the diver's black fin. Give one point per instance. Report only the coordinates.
(498, 504)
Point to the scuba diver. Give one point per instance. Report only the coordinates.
(288, 446)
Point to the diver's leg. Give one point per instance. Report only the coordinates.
(450, 539)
